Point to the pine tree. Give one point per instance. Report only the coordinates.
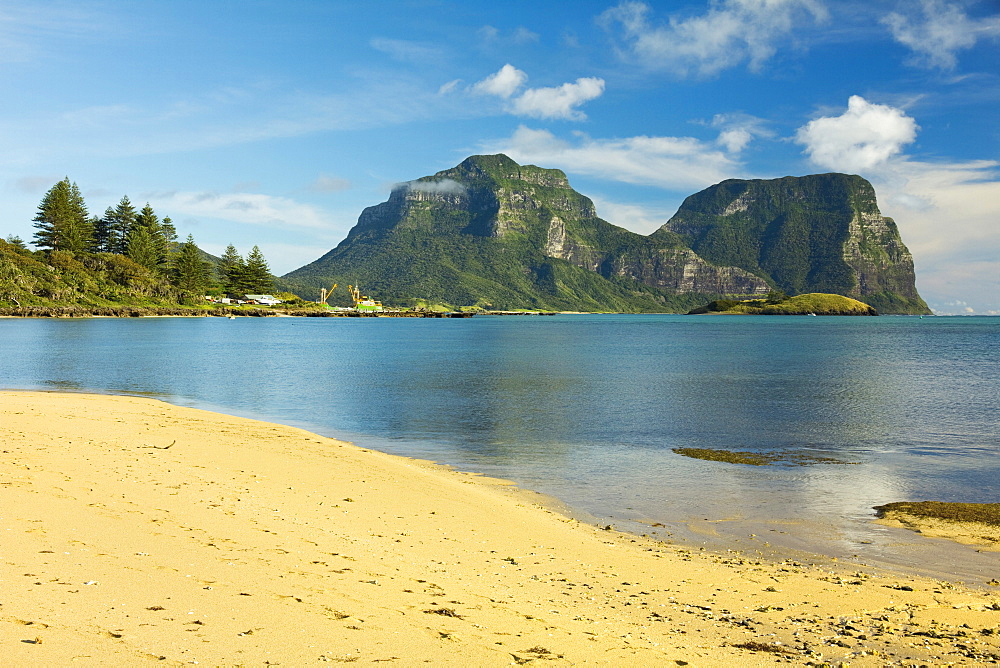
(258, 279)
(169, 232)
(103, 239)
(62, 220)
(189, 272)
(232, 270)
(119, 223)
(146, 242)
(144, 247)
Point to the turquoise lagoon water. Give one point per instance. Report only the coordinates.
(589, 408)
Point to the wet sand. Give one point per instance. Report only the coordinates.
(135, 531)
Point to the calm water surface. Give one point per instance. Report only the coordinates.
(589, 408)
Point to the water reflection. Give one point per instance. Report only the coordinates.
(588, 408)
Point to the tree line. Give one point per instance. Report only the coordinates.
(63, 223)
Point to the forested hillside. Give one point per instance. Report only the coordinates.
(125, 257)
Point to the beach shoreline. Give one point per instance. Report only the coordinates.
(142, 531)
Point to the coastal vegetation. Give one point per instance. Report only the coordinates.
(493, 235)
(777, 303)
(126, 259)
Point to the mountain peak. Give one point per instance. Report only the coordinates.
(491, 231)
(500, 168)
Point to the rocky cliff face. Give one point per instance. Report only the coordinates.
(490, 230)
(819, 233)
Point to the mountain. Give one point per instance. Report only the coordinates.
(819, 233)
(490, 232)
(495, 233)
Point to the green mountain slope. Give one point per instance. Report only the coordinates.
(819, 233)
(492, 232)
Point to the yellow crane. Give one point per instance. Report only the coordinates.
(324, 294)
(362, 302)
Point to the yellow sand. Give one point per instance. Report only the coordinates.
(134, 532)
(984, 536)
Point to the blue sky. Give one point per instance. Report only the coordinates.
(276, 122)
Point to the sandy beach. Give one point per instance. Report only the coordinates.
(139, 532)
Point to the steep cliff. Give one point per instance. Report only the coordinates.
(491, 231)
(819, 233)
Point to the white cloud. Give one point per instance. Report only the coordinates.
(730, 32)
(947, 212)
(449, 87)
(939, 31)
(503, 83)
(859, 140)
(549, 102)
(734, 140)
(948, 216)
(250, 208)
(520, 35)
(737, 130)
(634, 217)
(675, 163)
(560, 101)
(406, 50)
(444, 187)
(524, 36)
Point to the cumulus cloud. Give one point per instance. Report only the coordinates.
(729, 33)
(549, 102)
(935, 30)
(502, 83)
(251, 208)
(737, 130)
(560, 101)
(861, 139)
(675, 163)
(443, 186)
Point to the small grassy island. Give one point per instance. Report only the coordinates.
(813, 303)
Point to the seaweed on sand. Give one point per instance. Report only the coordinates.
(757, 458)
(984, 513)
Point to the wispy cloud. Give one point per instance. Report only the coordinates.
(737, 130)
(29, 29)
(442, 186)
(520, 35)
(246, 208)
(635, 217)
(935, 30)
(729, 33)
(555, 102)
(408, 50)
(674, 163)
(329, 184)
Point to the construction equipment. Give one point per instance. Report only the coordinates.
(324, 294)
(361, 302)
